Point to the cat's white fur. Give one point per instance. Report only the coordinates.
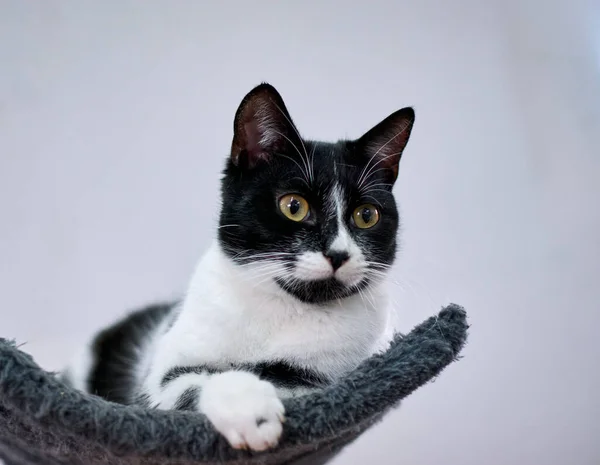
(237, 313)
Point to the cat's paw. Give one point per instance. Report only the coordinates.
(244, 409)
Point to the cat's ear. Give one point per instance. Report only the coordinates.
(262, 127)
(383, 145)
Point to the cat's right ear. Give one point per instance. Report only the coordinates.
(261, 128)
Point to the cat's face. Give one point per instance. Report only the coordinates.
(319, 219)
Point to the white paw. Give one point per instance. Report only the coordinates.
(244, 409)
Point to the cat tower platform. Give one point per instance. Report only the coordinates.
(42, 421)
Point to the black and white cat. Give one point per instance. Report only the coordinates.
(290, 296)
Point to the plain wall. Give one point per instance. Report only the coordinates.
(116, 118)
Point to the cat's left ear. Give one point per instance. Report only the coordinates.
(262, 127)
(383, 145)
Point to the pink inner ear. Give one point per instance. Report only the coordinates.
(386, 150)
(390, 146)
(252, 136)
(254, 140)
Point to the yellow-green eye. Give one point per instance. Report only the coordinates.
(294, 207)
(366, 216)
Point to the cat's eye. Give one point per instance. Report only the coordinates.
(294, 207)
(366, 216)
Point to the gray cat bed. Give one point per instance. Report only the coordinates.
(44, 422)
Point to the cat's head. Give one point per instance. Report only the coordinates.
(317, 218)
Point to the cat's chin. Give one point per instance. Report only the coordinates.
(321, 291)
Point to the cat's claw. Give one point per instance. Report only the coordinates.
(244, 409)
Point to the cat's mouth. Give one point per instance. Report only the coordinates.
(315, 277)
(320, 291)
(311, 277)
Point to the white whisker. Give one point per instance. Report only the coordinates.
(306, 181)
(310, 178)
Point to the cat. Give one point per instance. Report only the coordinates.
(290, 296)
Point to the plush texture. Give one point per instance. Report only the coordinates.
(42, 421)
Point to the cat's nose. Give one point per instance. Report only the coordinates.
(337, 258)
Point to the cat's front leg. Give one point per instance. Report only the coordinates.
(241, 406)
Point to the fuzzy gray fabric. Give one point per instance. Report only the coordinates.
(44, 422)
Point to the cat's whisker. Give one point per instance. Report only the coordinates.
(304, 159)
(255, 267)
(312, 160)
(376, 190)
(378, 266)
(258, 272)
(306, 181)
(265, 260)
(386, 192)
(259, 279)
(375, 201)
(374, 272)
(373, 172)
(379, 269)
(361, 186)
(299, 179)
(263, 256)
(381, 160)
(265, 280)
(376, 278)
(266, 253)
(258, 264)
(375, 183)
(300, 266)
(372, 297)
(310, 174)
(262, 259)
(290, 141)
(362, 297)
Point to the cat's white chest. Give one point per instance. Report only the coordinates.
(226, 320)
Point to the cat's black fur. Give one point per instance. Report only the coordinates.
(114, 351)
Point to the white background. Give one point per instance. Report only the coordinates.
(116, 117)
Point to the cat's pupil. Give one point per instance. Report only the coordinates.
(294, 206)
(366, 215)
